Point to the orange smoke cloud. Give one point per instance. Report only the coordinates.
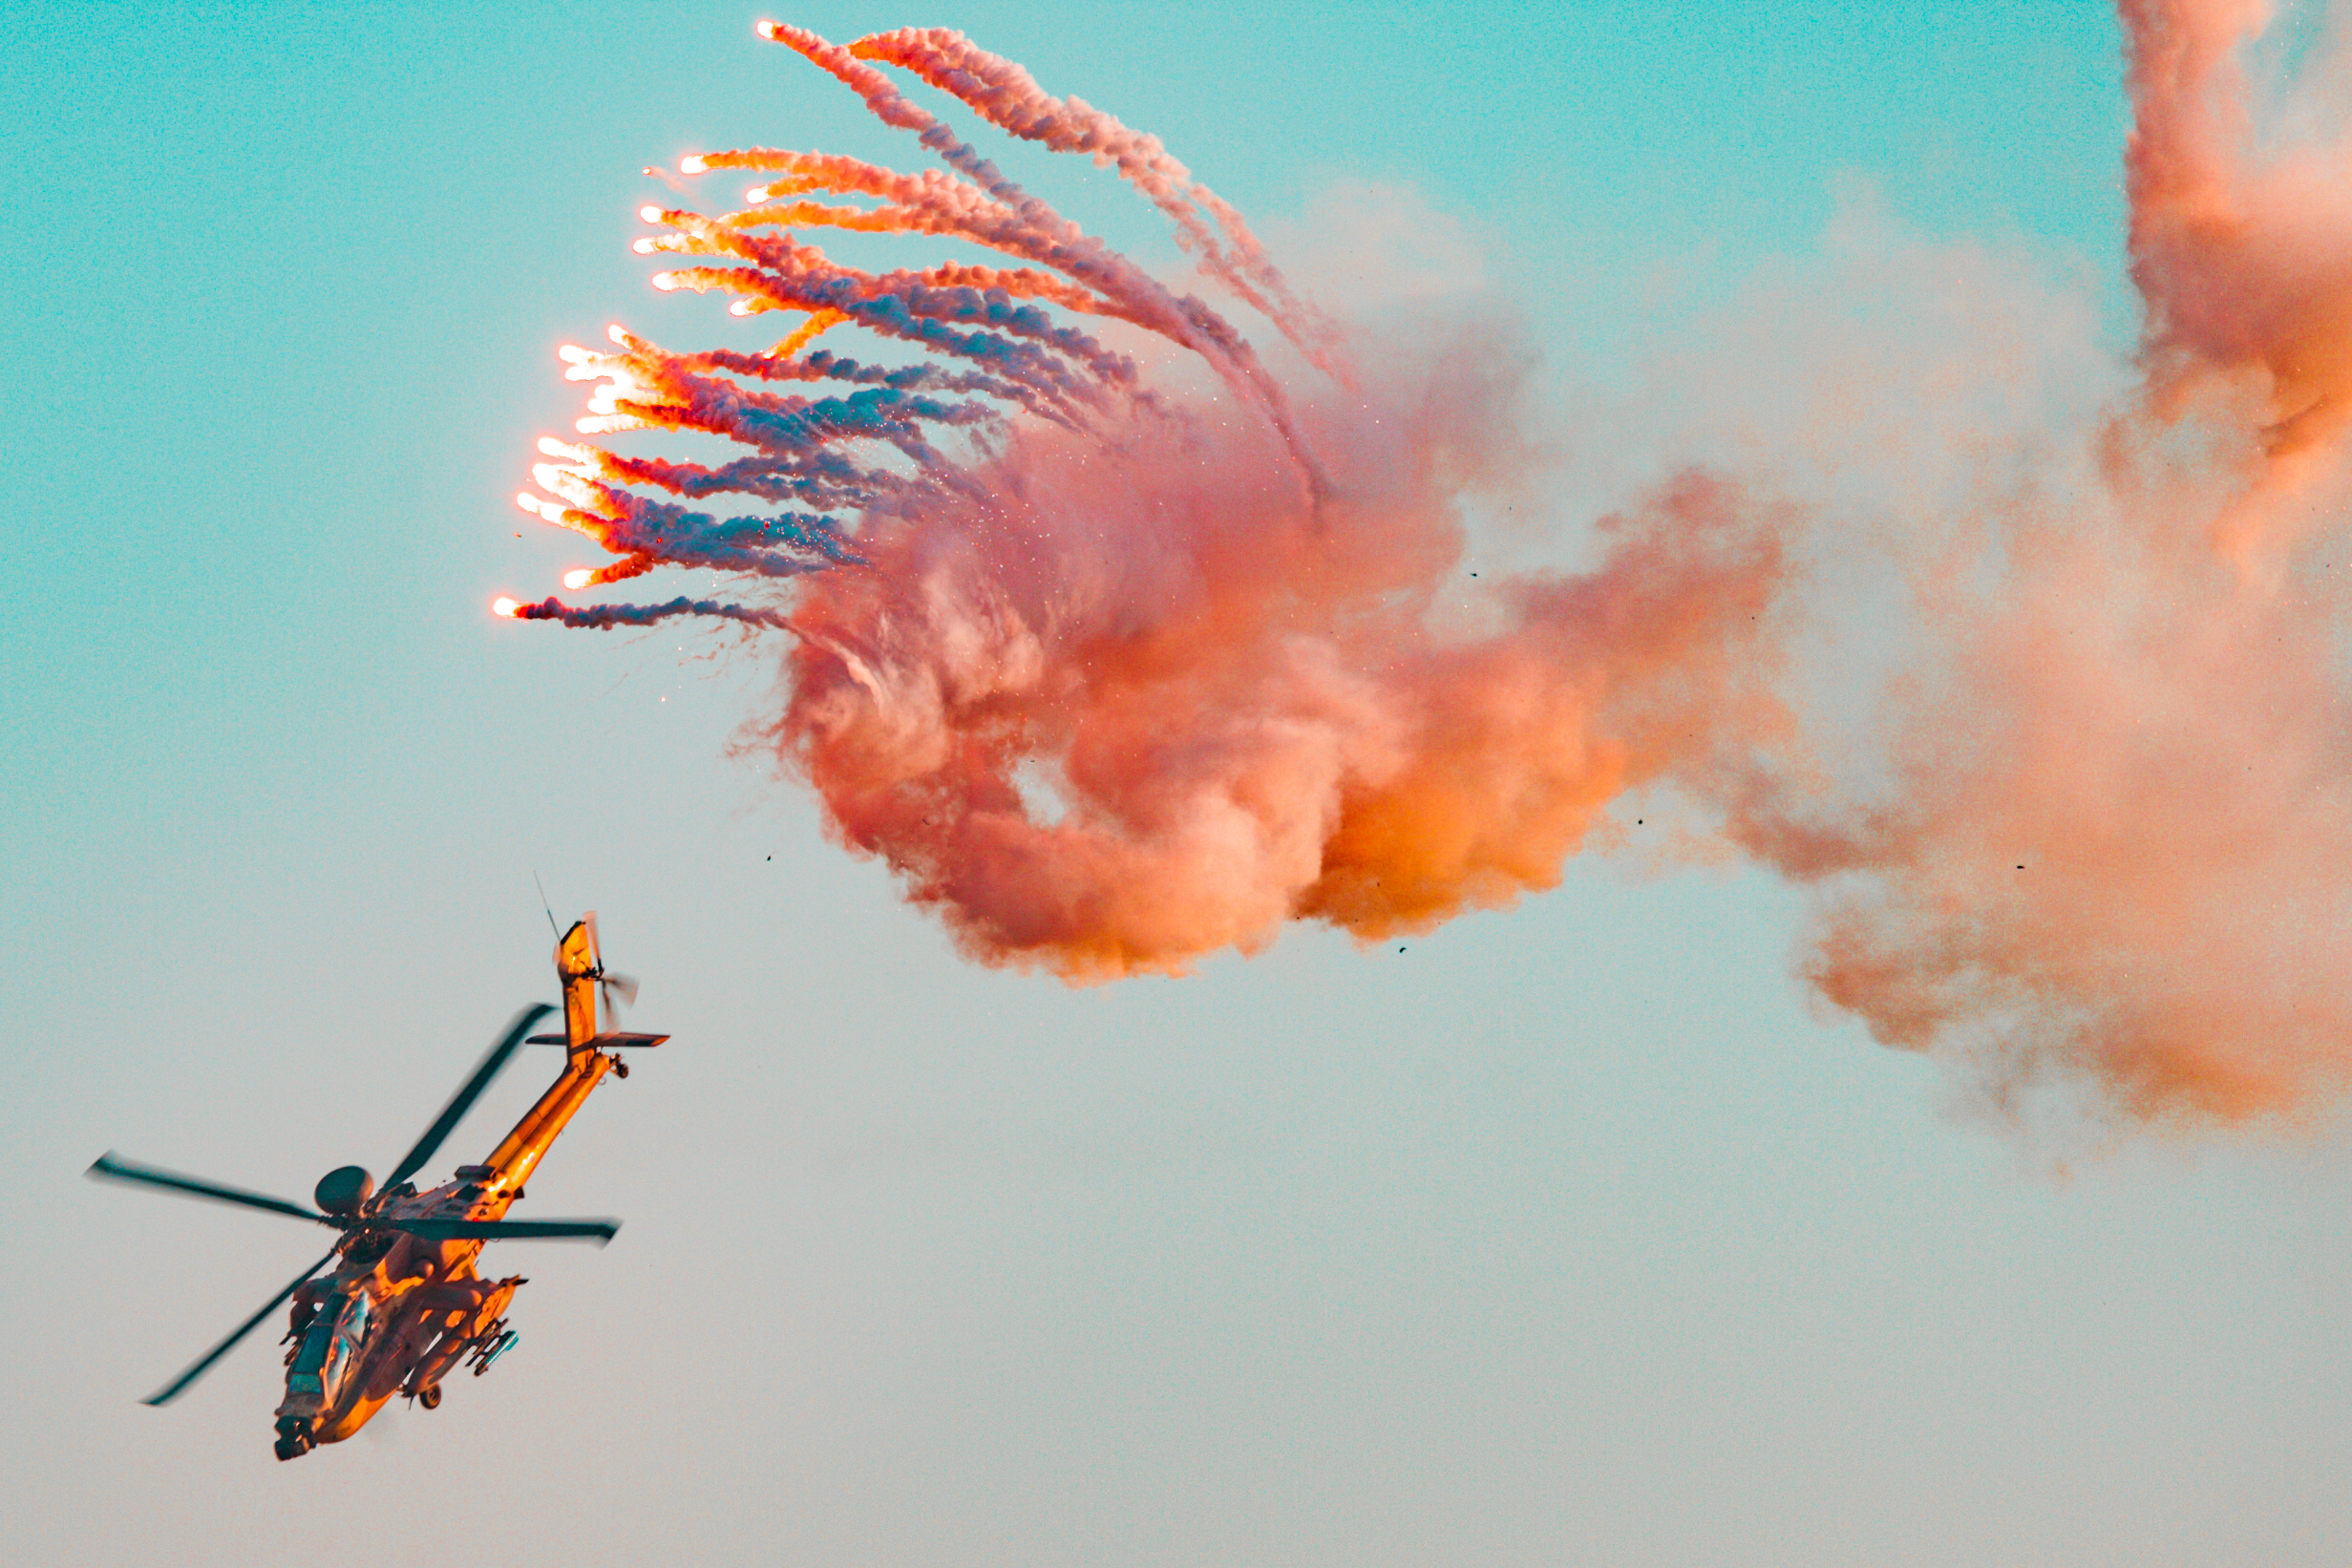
(1117, 668)
(2115, 804)
(1149, 702)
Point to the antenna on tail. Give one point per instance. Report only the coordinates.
(544, 904)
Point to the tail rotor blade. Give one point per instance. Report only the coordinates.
(113, 1167)
(171, 1390)
(463, 1101)
(611, 985)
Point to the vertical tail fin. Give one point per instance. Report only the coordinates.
(577, 965)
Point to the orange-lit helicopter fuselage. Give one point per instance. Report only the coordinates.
(405, 1304)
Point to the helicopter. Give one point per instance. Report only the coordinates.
(403, 1307)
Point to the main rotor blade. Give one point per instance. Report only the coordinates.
(113, 1167)
(171, 1391)
(599, 1231)
(455, 1112)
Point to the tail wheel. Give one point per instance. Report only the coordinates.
(430, 1396)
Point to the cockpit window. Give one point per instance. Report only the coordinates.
(332, 1345)
(314, 1354)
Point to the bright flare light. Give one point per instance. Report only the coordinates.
(578, 577)
(505, 607)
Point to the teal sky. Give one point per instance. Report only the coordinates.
(1566, 1235)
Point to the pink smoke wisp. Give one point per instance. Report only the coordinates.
(1116, 664)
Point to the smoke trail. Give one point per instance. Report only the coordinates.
(604, 617)
(1117, 668)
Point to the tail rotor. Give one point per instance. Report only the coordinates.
(607, 982)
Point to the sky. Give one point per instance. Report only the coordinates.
(1574, 1232)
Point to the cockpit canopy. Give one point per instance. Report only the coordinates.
(332, 1348)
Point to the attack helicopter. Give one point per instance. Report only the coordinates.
(404, 1307)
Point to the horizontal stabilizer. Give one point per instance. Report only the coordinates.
(606, 1041)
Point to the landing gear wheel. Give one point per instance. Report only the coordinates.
(430, 1396)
